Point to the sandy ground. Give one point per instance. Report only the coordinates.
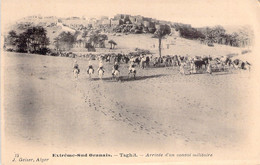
(177, 45)
(47, 110)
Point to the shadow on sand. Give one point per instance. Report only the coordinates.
(126, 79)
(223, 73)
(215, 73)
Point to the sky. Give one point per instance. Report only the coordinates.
(198, 13)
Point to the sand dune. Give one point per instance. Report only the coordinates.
(161, 109)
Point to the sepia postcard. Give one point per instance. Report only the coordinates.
(88, 82)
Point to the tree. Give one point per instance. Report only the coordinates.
(101, 40)
(215, 34)
(160, 32)
(64, 41)
(112, 44)
(12, 38)
(33, 40)
(97, 39)
(85, 34)
(235, 39)
(93, 39)
(38, 40)
(22, 43)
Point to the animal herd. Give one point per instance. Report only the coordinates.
(186, 64)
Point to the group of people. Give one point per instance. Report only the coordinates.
(90, 67)
(193, 67)
(193, 64)
(115, 67)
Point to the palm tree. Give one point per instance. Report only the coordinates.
(101, 40)
(160, 32)
(112, 42)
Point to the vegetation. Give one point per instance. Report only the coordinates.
(96, 39)
(64, 41)
(112, 44)
(161, 31)
(33, 40)
(217, 34)
(12, 38)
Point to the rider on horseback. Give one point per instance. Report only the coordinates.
(132, 67)
(76, 66)
(115, 67)
(90, 67)
(100, 67)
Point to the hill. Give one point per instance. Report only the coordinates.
(172, 45)
(132, 32)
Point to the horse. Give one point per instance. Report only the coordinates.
(137, 61)
(116, 75)
(155, 62)
(176, 61)
(199, 63)
(76, 73)
(143, 62)
(108, 58)
(100, 73)
(245, 65)
(132, 72)
(206, 60)
(182, 70)
(228, 61)
(168, 61)
(147, 60)
(90, 72)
